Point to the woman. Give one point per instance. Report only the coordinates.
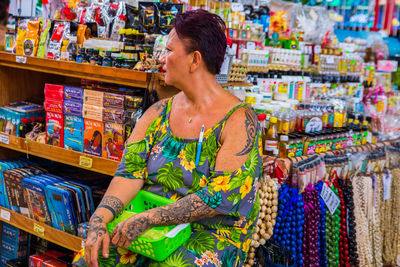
(219, 194)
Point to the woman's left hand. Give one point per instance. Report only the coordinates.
(127, 231)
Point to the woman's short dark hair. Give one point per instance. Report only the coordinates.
(205, 32)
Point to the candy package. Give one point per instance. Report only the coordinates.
(147, 17)
(61, 29)
(113, 141)
(32, 38)
(119, 22)
(166, 13)
(21, 33)
(44, 36)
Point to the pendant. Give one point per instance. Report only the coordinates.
(190, 120)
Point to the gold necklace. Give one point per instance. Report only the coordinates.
(190, 120)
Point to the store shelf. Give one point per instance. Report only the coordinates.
(73, 158)
(77, 70)
(237, 84)
(42, 230)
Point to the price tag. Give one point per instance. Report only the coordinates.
(5, 215)
(83, 244)
(386, 186)
(85, 162)
(330, 198)
(20, 59)
(38, 229)
(237, 7)
(5, 139)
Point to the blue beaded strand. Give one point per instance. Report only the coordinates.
(323, 262)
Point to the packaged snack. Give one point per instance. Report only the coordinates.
(44, 36)
(119, 22)
(54, 91)
(55, 129)
(113, 101)
(73, 108)
(73, 133)
(53, 105)
(147, 17)
(61, 29)
(73, 93)
(21, 33)
(32, 38)
(92, 112)
(113, 115)
(166, 13)
(113, 141)
(80, 36)
(92, 97)
(93, 137)
(132, 102)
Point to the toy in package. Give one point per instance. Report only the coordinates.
(93, 137)
(73, 133)
(61, 29)
(55, 129)
(113, 141)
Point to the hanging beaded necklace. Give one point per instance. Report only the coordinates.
(323, 262)
(344, 258)
(332, 235)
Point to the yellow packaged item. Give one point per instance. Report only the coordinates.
(21, 33)
(32, 38)
(44, 36)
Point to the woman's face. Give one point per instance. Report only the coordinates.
(96, 141)
(176, 62)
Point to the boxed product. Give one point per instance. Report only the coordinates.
(113, 101)
(93, 137)
(13, 251)
(73, 108)
(94, 98)
(132, 102)
(38, 259)
(73, 133)
(54, 263)
(73, 93)
(13, 234)
(113, 115)
(92, 112)
(55, 129)
(54, 91)
(17, 263)
(113, 141)
(53, 105)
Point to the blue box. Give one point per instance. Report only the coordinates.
(73, 133)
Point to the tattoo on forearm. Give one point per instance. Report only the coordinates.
(113, 204)
(96, 219)
(251, 129)
(188, 209)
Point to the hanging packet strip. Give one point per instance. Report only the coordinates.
(166, 13)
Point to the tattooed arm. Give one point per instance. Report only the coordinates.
(119, 193)
(237, 144)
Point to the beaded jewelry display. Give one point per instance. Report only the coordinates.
(311, 222)
(344, 259)
(332, 235)
(323, 262)
(347, 189)
(375, 232)
(362, 193)
(266, 219)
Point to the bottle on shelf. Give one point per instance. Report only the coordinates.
(271, 137)
(283, 146)
(24, 127)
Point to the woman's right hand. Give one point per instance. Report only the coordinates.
(97, 237)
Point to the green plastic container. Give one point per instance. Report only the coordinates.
(161, 248)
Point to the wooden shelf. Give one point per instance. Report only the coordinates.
(42, 230)
(73, 158)
(237, 84)
(77, 70)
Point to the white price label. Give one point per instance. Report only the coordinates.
(237, 7)
(330, 198)
(20, 59)
(5, 139)
(386, 186)
(6, 215)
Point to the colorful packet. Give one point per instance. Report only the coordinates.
(166, 13)
(44, 36)
(32, 38)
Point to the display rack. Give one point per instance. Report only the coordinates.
(76, 70)
(70, 157)
(42, 230)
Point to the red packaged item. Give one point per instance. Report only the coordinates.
(54, 91)
(53, 105)
(55, 129)
(38, 259)
(54, 263)
(55, 254)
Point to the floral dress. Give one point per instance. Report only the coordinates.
(167, 164)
